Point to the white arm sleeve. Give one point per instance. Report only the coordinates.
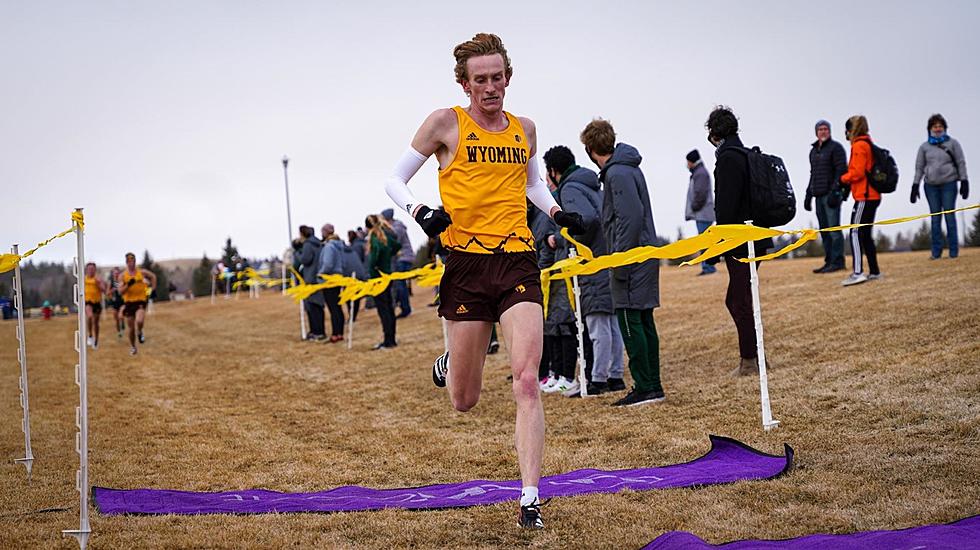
(537, 190)
(397, 183)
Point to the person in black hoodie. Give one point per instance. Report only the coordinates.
(828, 162)
(732, 206)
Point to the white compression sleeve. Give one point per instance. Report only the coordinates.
(537, 190)
(397, 183)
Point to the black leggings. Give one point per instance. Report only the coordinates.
(861, 238)
(332, 297)
(386, 311)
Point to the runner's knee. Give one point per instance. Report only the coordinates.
(464, 401)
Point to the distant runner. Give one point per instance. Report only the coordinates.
(134, 283)
(95, 290)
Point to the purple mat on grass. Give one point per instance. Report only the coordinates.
(728, 461)
(964, 533)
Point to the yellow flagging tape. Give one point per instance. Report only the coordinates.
(8, 262)
(715, 241)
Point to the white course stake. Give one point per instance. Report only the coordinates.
(81, 412)
(350, 318)
(213, 287)
(767, 421)
(302, 320)
(28, 460)
(582, 382)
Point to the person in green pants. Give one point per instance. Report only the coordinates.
(627, 222)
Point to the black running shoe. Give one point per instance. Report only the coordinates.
(615, 384)
(634, 398)
(142, 339)
(596, 388)
(530, 516)
(439, 370)
(494, 347)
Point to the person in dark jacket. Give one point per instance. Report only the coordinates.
(353, 266)
(627, 223)
(404, 261)
(307, 262)
(382, 246)
(732, 206)
(331, 263)
(941, 162)
(700, 204)
(579, 191)
(828, 162)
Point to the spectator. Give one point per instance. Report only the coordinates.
(404, 261)
(941, 161)
(579, 191)
(382, 246)
(353, 266)
(331, 263)
(627, 221)
(306, 262)
(700, 204)
(828, 162)
(358, 243)
(732, 206)
(866, 200)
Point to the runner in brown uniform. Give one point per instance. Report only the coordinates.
(487, 172)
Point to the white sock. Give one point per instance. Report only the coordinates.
(529, 495)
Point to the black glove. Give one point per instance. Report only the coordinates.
(915, 193)
(432, 221)
(835, 198)
(808, 203)
(845, 190)
(964, 189)
(572, 220)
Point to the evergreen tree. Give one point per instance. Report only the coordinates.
(973, 236)
(902, 243)
(163, 282)
(922, 239)
(230, 254)
(882, 242)
(201, 278)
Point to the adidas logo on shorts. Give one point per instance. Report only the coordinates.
(472, 137)
(461, 310)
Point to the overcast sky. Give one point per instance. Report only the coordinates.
(167, 121)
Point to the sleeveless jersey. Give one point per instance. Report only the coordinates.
(92, 293)
(484, 189)
(135, 292)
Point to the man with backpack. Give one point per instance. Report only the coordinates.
(733, 205)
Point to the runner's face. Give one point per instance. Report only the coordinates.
(90, 271)
(486, 83)
(131, 263)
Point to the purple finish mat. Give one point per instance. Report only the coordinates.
(964, 533)
(728, 461)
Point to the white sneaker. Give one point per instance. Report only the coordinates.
(562, 385)
(876, 276)
(854, 279)
(90, 341)
(549, 382)
(573, 391)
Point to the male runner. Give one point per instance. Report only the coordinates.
(133, 286)
(95, 289)
(116, 301)
(487, 171)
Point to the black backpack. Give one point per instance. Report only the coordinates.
(884, 171)
(771, 195)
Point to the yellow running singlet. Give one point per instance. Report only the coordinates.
(484, 188)
(136, 291)
(92, 293)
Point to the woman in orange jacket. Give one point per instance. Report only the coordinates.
(866, 201)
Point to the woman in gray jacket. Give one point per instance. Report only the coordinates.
(941, 161)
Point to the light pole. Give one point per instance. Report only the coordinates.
(289, 219)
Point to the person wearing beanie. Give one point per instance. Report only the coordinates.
(700, 204)
(941, 162)
(828, 162)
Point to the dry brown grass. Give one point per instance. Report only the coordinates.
(876, 386)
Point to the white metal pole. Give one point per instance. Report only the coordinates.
(214, 286)
(350, 318)
(576, 292)
(25, 403)
(767, 421)
(302, 320)
(81, 412)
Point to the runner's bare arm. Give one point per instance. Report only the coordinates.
(537, 191)
(435, 136)
(152, 277)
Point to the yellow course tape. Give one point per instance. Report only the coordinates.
(8, 262)
(715, 241)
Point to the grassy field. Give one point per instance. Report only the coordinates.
(877, 387)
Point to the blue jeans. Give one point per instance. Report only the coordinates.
(702, 227)
(833, 242)
(401, 288)
(943, 197)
